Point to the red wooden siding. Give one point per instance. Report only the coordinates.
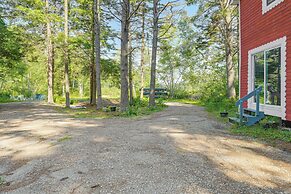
(258, 29)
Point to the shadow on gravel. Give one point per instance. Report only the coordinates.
(250, 163)
(178, 150)
(30, 111)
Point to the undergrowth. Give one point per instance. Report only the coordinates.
(138, 108)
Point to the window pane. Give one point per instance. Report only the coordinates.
(273, 77)
(270, 1)
(259, 74)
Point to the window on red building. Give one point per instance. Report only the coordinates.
(270, 1)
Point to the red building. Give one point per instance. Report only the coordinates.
(265, 54)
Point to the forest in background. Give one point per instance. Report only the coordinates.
(113, 49)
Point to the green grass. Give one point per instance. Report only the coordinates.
(89, 112)
(65, 138)
(271, 135)
(2, 180)
(136, 111)
(139, 108)
(73, 100)
(6, 100)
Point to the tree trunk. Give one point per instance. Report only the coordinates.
(93, 67)
(154, 54)
(230, 67)
(133, 90)
(93, 82)
(124, 55)
(50, 59)
(81, 89)
(63, 90)
(172, 80)
(66, 54)
(142, 52)
(97, 52)
(28, 84)
(130, 70)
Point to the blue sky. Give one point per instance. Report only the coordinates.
(191, 10)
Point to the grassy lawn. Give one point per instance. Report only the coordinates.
(140, 108)
(5, 100)
(272, 135)
(89, 112)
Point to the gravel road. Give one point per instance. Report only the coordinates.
(178, 150)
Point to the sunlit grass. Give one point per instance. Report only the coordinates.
(136, 111)
(258, 131)
(3, 182)
(65, 138)
(5, 100)
(89, 112)
(139, 108)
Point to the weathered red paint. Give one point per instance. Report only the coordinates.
(258, 29)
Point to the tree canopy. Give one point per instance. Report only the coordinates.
(196, 55)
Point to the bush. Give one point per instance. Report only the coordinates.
(5, 97)
(181, 94)
(73, 101)
(140, 102)
(140, 107)
(60, 100)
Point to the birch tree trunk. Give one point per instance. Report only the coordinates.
(154, 54)
(142, 52)
(172, 80)
(124, 55)
(50, 59)
(66, 54)
(63, 90)
(230, 67)
(97, 52)
(93, 64)
(81, 89)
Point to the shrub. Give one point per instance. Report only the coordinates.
(5, 97)
(59, 100)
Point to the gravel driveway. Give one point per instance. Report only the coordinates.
(178, 150)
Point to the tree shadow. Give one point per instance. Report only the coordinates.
(178, 150)
(238, 159)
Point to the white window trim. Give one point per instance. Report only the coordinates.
(267, 8)
(279, 111)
